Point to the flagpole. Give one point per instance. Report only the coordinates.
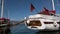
(2, 8)
(53, 5)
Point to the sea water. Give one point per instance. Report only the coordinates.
(22, 29)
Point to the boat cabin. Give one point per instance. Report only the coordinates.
(4, 21)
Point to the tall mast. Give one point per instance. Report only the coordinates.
(2, 8)
(53, 4)
(8, 14)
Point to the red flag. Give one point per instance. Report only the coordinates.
(45, 11)
(32, 7)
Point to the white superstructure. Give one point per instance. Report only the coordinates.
(42, 22)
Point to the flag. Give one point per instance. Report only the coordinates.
(32, 7)
(45, 11)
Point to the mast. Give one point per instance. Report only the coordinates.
(2, 8)
(53, 4)
(8, 14)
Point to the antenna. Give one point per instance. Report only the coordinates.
(2, 8)
(53, 4)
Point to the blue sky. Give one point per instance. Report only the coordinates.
(18, 9)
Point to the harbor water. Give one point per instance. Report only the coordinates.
(22, 29)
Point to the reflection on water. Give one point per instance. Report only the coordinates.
(47, 32)
(6, 31)
(22, 29)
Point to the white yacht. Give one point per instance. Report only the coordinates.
(46, 21)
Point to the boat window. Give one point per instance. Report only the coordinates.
(35, 23)
(52, 14)
(48, 22)
(6, 20)
(58, 22)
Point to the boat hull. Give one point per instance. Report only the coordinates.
(48, 22)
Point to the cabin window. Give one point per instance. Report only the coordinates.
(52, 14)
(35, 23)
(4, 21)
(58, 22)
(48, 22)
